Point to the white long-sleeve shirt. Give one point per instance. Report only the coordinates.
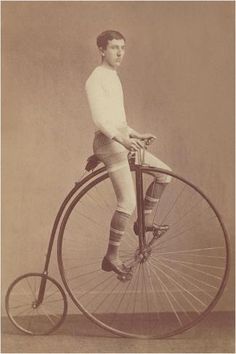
(106, 101)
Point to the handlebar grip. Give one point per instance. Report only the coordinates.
(147, 141)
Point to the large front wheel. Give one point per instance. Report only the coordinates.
(175, 281)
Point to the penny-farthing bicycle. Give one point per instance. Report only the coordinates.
(178, 270)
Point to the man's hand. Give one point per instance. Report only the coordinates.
(148, 138)
(131, 144)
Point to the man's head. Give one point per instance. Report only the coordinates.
(112, 47)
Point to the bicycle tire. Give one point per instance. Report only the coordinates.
(221, 253)
(21, 297)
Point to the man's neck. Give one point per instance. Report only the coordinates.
(107, 66)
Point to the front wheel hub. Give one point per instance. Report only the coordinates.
(142, 256)
(34, 305)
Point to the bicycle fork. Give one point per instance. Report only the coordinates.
(140, 223)
(41, 293)
(144, 249)
(140, 209)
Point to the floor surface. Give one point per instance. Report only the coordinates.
(215, 334)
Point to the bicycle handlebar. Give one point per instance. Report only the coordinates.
(147, 141)
(140, 154)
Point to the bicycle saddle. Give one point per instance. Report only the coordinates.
(92, 163)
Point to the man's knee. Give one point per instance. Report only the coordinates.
(127, 205)
(163, 178)
(167, 178)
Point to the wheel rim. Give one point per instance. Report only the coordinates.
(177, 284)
(24, 309)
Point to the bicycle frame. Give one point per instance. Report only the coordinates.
(147, 260)
(77, 186)
(138, 169)
(140, 209)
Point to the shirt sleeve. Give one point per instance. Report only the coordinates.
(99, 108)
(131, 130)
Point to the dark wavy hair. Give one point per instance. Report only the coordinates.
(104, 37)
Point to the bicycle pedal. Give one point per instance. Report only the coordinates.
(160, 230)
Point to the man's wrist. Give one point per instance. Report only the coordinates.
(135, 135)
(119, 138)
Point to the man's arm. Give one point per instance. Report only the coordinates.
(130, 143)
(101, 117)
(99, 110)
(134, 134)
(142, 136)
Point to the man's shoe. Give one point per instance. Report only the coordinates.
(109, 266)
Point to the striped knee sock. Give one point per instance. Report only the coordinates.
(152, 197)
(118, 225)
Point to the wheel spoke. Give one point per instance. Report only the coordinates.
(18, 306)
(24, 312)
(181, 290)
(182, 276)
(173, 205)
(115, 312)
(175, 278)
(30, 319)
(48, 315)
(192, 263)
(183, 309)
(104, 282)
(169, 296)
(153, 291)
(178, 235)
(191, 210)
(105, 200)
(83, 274)
(106, 298)
(193, 252)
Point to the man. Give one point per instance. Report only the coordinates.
(114, 139)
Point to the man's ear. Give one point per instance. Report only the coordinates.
(101, 50)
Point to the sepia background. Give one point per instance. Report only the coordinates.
(178, 80)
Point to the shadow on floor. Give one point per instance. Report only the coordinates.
(79, 335)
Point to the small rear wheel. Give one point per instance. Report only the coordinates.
(36, 304)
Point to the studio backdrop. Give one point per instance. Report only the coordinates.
(178, 81)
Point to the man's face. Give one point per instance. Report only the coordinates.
(114, 52)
